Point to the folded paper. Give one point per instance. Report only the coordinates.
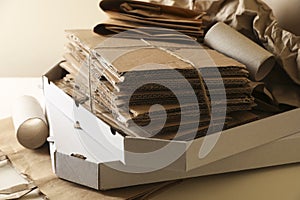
(127, 15)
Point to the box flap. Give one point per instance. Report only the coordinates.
(244, 137)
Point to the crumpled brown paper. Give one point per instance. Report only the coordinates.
(255, 20)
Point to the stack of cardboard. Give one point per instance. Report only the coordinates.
(119, 79)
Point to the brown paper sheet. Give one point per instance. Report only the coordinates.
(37, 166)
(275, 183)
(136, 14)
(283, 89)
(150, 10)
(187, 4)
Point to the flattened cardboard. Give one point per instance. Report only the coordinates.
(89, 41)
(115, 61)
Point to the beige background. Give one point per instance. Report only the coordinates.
(32, 32)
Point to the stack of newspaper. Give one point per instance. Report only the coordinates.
(154, 88)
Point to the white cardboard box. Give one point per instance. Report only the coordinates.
(101, 174)
(237, 145)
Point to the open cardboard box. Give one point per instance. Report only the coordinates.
(102, 175)
(100, 162)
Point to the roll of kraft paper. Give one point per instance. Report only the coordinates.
(30, 123)
(230, 42)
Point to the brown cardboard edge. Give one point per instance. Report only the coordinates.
(56, 72)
